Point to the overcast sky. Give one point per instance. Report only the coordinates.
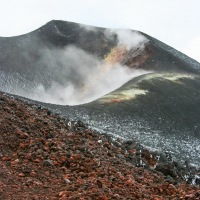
(175, 22)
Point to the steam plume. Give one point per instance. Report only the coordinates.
(76, 76)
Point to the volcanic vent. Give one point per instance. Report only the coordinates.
(68, 63)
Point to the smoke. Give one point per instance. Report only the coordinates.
(128, 38)
(70, 64)
(79, 77)
(94, 85)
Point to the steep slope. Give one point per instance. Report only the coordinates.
(43, 157)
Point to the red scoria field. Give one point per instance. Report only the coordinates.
(43, 157)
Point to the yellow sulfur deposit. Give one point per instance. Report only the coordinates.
(123, 95)
(175, 77)
(116, 54)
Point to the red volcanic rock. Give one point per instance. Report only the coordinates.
(40, 158)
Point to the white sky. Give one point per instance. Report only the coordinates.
(175, 22)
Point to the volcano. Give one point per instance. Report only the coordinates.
(122, 82)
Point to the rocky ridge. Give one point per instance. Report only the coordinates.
(44, 156)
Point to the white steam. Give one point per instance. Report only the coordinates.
(95, 85)
(80, 77)
(128, 38)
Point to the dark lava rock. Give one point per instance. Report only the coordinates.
(48, 162)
